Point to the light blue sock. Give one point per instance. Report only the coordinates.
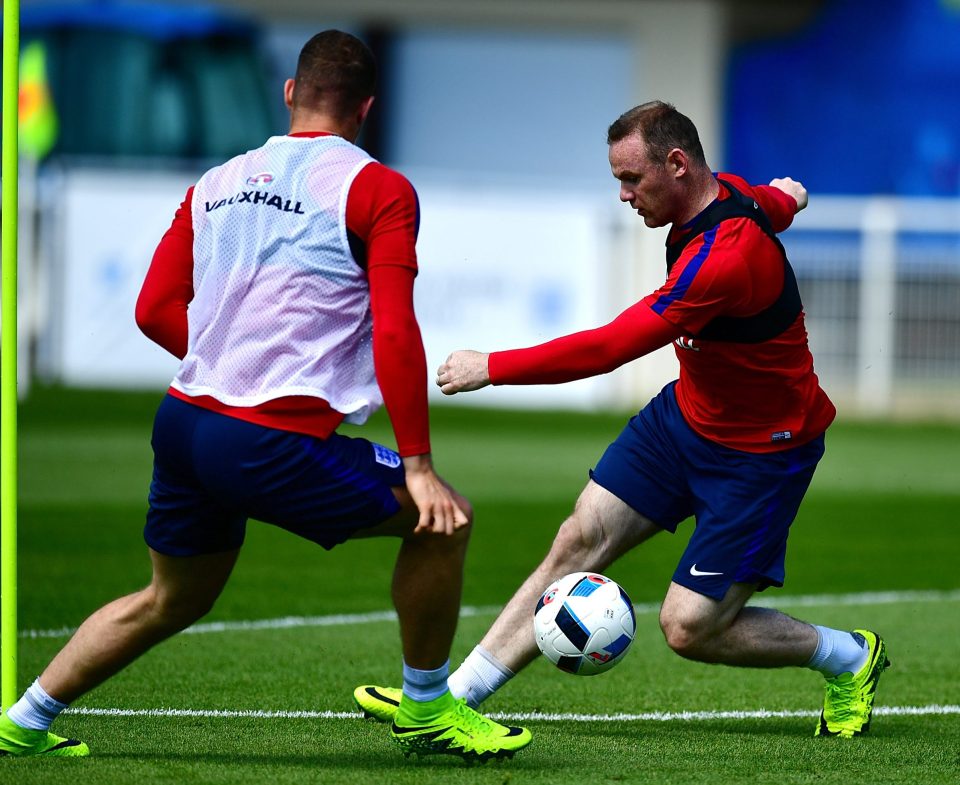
(423, 685)
(838, 652)
(35, 710)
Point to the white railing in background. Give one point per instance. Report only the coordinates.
(880, 279)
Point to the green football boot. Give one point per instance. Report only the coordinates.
(18, 741)
(459, 731)
(378, 703)
(848, 702)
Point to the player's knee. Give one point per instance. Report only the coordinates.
(467, 509)
(571, 544)
(462, 533)
(452, 543)
(685, 636)
(175, 611)
(461, 536)
(583, 541)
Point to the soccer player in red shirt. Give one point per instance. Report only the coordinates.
(734, 442)
(285, 286)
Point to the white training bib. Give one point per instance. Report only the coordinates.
(280, 305)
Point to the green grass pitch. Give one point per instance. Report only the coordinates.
(881, 517)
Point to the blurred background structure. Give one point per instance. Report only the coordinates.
(497, 110)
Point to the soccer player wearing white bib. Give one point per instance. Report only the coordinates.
(285, 286)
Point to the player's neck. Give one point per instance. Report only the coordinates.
(323, 124)
(701, 196)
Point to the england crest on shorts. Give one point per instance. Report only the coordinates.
(386, 456)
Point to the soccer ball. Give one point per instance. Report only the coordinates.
(584, 623)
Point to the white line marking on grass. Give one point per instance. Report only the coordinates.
(282, 623)
(339, 620)
(536, 716)
(695, 716)
(213, 713)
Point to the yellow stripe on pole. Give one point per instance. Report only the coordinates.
(8, 357)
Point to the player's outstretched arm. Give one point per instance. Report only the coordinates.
(635, 332)
(463, 371)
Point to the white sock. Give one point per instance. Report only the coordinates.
(838, 652)
(35, 710)
(425, 686)
(478, 677)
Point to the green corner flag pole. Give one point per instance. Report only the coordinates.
(8, 358)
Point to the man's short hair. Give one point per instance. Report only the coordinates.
(335, 73)
(662, 128)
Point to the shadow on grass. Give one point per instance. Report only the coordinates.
(370, 760)
(651, 731)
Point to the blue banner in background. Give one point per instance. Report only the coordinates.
(865, 101)
(152, 19)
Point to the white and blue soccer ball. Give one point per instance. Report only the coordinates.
(584, 623)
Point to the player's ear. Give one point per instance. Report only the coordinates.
(677, 163)
(288, 93)
(364, 109)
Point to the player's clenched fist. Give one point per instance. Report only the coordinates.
(463, 371)
(790, 186)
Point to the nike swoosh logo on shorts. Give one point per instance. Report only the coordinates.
(697, 573)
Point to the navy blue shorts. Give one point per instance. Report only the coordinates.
(212, 472)
(743, 503)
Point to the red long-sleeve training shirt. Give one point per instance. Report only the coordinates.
(757, 397)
